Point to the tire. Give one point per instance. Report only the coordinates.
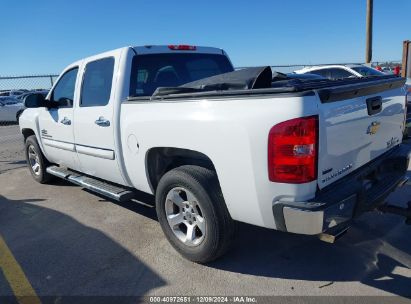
(34, 157)
(212, 229)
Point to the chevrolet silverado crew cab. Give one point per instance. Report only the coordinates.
(216, 146)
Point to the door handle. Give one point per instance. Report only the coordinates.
(102, 122)
(374, 105)
(66, 121)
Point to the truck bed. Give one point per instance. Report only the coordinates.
(328, 90)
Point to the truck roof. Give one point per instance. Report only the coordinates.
(158, 49)
(154, 49)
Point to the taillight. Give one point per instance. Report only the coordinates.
(182, 47)
(292, 151)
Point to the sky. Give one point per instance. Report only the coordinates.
(43, 36)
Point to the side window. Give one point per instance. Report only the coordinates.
(339, 74)
(63, 92)
(97, 80)
(322, 72)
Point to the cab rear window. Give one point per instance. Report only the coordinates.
(172, 70)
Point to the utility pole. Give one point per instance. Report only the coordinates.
(368, 46)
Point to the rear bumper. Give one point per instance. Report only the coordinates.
(336, 205)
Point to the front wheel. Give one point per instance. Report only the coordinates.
(36, 161)
(192, 213)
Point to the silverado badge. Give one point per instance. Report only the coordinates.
(373, 127)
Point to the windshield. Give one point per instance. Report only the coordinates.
(366, 71)
(149, 72)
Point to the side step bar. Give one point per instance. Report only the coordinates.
(115, 192)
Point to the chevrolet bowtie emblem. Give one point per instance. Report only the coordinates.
(373, 127)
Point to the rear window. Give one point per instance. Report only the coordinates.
(172, 70)
(366, 71)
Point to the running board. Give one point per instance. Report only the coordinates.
(115, 192)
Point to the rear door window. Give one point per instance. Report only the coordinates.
(97, 83)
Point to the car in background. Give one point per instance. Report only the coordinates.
(387, 70)
(341, 71)
(305, 76)
(25, 94)
(280, 79)
(10, 109)
(12, 93)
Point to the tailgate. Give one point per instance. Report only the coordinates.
(358, 123)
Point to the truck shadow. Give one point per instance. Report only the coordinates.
(61, 256)
(376, 251)
(144, 204)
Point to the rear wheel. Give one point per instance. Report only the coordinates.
(192, 213)
(36, 161)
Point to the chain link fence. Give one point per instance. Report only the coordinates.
(27, 83)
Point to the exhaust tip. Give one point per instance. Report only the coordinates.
(332, 237)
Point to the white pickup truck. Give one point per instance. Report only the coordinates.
(303, 157)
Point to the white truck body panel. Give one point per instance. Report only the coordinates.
(346, 144)
(96, 144)
(242, 127)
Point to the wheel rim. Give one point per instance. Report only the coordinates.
(34, 160)
(185, 216)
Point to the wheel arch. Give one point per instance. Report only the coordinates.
(160, 160)
(27, 132)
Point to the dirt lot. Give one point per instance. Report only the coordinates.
(70, 242)
(11, 148)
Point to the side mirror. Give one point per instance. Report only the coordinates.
(35, 100)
